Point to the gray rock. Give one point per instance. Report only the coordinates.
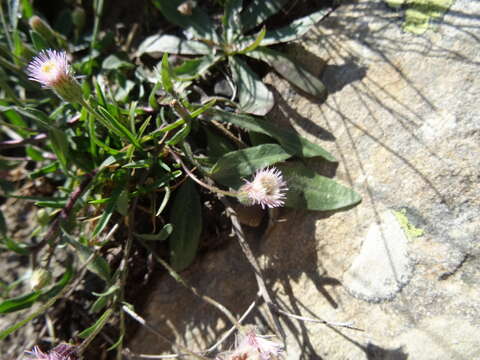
(383, 266)
(403, 120)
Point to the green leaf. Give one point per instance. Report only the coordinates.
(197, 23)
(253, 95)
(166, 74)
(233, 166)
(186, 218)
(19, 302)
(39, 43)
(155, 45)
(14, 246)
(57, 287)
(259, 11)
(113, 62)
(231, 19)
(291, 142)
(98, 325)
(98, 265)
(160, 236)
(114, 124)
(194, 68)
(110, 208)
(294, 30)
(59, 145)
(217, 145)
(293, 72)
(50, 168)
(308, 190)
(256, 43)
(3, 225)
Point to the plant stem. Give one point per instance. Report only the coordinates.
(197, 180)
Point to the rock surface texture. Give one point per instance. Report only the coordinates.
(403, 120)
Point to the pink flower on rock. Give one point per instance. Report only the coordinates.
(60, 352)
(252, 346)
(267, 189)
(52, 69)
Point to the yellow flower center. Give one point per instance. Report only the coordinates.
(48, 67)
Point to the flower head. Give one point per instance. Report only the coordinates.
(252, 346)
(60, 352)
(51, 69)
(267, 189)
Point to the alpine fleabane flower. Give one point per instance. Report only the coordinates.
(60, 352)
(51, 69)
(267, 189)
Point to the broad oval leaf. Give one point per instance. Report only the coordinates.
(186, 218)
(308, 190)
(290, 141)
(233, 166)
(197, 23)
(155, 45)
(253, 95)
(293, 72)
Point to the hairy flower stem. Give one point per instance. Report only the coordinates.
(198, 181)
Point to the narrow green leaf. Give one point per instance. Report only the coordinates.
(290, 141)
(294, 30)
(292, 71)
(111, 290)
(259, 11)
(164, 201)
(156, 45)
(160, 236)
(308, 190)
(117, 343)
(3, 225)
(109, 209)
(256, 43)
(166, 74)
(14, 246)
(19, 302)
(253, 95)
(50, 168)
(98, 325)
(118, 127)
(59, 145)
(186, 218)
(232, 167)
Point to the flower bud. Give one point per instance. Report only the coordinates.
(39, 279)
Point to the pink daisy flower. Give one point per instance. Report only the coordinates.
(252, 346)
(60, 352)
(267, 189)
(52, 69)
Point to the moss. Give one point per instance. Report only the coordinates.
(407, 226)
(419, 13)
